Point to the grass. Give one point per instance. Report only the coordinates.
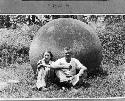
(100, 87)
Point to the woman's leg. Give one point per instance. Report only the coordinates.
(41, 78)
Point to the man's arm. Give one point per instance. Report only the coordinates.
(82, 71)
(81, 67)
(54, 65)
(58, 65)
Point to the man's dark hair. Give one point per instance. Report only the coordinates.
(67, 48)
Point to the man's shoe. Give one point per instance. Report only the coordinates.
(63, 88)
(74, 90)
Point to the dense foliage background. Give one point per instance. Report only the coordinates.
(17, 31)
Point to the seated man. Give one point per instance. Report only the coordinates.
(66, 68)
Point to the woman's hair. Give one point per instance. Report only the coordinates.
(51, 55)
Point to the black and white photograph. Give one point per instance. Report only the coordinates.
(62, 50)
(62, 56)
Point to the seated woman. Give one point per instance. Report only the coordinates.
(43, 70)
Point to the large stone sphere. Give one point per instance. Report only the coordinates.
(67, 32)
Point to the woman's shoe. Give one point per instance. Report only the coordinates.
(34, 88)
(43, 89)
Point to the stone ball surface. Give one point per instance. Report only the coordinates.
(67, 32)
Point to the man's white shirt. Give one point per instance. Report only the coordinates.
(75, 64)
